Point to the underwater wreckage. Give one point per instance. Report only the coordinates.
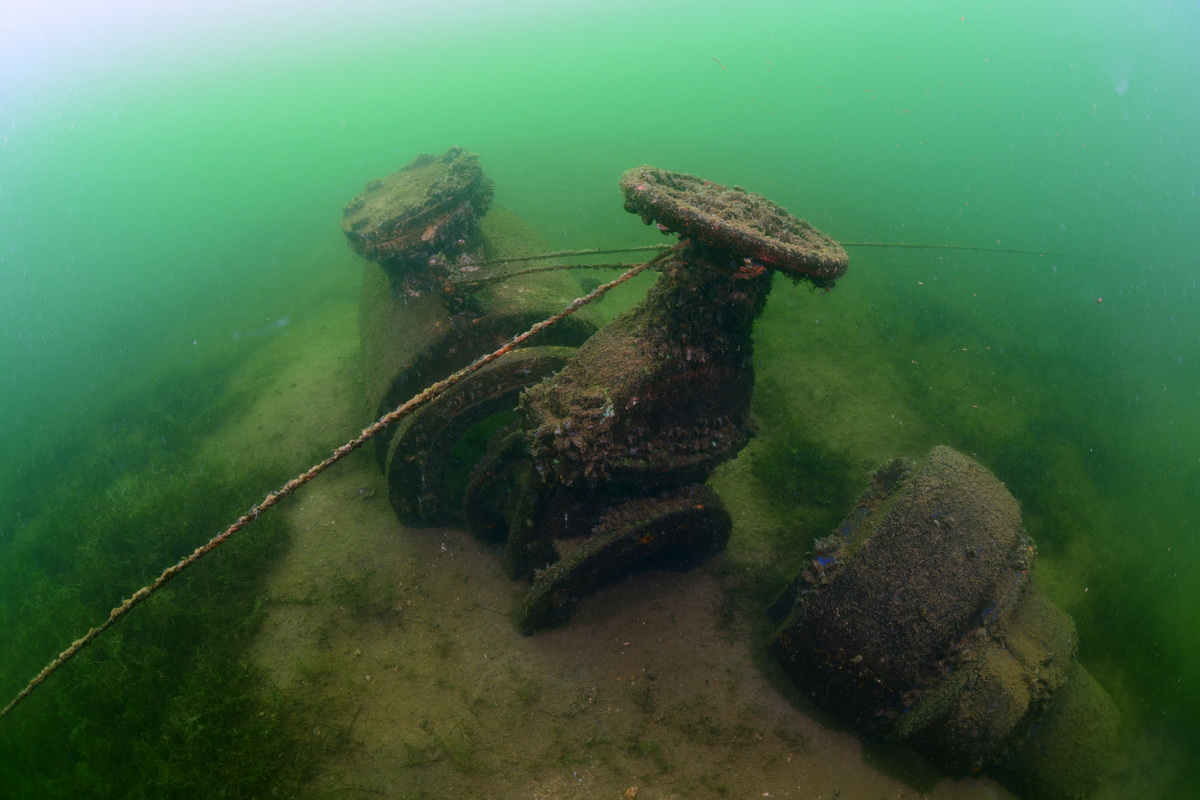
(917, 620)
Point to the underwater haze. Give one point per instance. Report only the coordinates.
(171, 183)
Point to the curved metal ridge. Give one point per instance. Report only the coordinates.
(744, 224)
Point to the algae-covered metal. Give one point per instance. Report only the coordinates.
(734, 221)
(917, 621)
(429, 207)
(607, 470)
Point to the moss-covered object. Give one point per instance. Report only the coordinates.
(606, 468)
(917, 622)
(417, 458)
(661, 395)
(675, 530)
(732, 220)
(1065, 753)
(430, 205)
(651, 404)
(423, 324)
(903, 578)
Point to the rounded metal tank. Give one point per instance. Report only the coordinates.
(917, 622)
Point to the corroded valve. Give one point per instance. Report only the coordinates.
(605, 469)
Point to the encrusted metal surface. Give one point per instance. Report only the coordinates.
(429, 205)
(740, 223)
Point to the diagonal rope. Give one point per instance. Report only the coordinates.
(418, 400)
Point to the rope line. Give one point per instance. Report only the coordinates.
(471, 284)
(882, 245)
(970, 248)
(429, 393)
(573, 253)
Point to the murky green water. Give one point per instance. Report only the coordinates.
(171, 185)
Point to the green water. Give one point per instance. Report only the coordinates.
(170, 192)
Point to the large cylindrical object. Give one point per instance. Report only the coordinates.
(916, 622)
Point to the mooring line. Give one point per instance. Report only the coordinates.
(882, 245)
(970, 249)
(573, 253)
(429, 393)
(474, 284)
